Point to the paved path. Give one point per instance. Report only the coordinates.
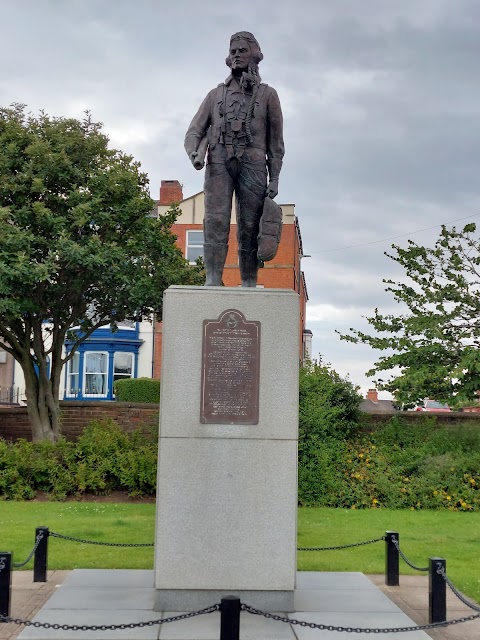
(411, 597)
(28, 597)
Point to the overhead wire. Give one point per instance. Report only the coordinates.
(401, 235)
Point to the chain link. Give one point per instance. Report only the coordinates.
(343, 546)
(441, 571)
(404, 557)
(38, 539)
(109, 627)
(243, 607)
(103, 544)
(331, 627)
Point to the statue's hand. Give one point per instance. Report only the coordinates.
(272, 189)
(193, 157)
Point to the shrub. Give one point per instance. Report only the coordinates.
(328, 412)
(16, 476)
(103, 459)
(53, 468)
(137, 390)
(400, 466)
(328, 403)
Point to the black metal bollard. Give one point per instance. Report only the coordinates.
(392, 578)
(5, 582)
(230, 618)
(437, 591)
(41, 555)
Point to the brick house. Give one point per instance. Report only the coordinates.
(283, 272)
(372, 404)
(135, 350)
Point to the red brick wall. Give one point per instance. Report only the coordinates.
(14, 423)
(76, 415)
(170, 192)
(280, 273)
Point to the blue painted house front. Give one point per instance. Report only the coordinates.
(104, 357)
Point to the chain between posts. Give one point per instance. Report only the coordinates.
(38, 539)
(404, 557)
(343, 546)
(103, 544)
(243, 607)
(109, 627)
(441, 571)
(331, 627)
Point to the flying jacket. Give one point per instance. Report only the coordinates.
(219, 114)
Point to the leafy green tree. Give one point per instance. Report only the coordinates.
(77, 247)
(328, 410)
(435, 344)
(328, 403)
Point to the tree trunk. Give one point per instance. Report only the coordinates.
(43, 410)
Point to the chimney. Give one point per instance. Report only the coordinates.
(372, 394)
(170, 192)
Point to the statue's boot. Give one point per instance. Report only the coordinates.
(214, 256)
(248, 262)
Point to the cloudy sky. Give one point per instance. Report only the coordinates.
(381, 102)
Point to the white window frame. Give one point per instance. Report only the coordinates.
(189, 244)
(90, 373)
(127, 325)
(68, 392)
(123, 375)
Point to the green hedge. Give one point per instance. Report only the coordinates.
(103, 459)
(137, 390)
(402, 464)
(399, 466)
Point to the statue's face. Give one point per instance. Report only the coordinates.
(240, 55)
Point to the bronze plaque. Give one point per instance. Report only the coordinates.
(230, 370)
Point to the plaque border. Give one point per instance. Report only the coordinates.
(256, 408)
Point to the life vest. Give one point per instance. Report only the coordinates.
(232, 131)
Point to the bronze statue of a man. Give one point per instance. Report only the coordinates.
(240, 123)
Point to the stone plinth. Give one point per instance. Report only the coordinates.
(227, 493)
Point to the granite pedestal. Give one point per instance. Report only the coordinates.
(227, 492)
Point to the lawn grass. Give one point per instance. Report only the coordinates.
(423, 534)
(100, 521)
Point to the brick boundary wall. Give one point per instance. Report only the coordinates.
(76, 415)
(447, 419)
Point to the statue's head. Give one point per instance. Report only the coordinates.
(244, 51)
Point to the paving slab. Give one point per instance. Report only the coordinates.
(28, 597)
(343, 600)
(364, 620)
(97, 617)
(115, 578)
(411, 596)
(111, 598)
(333, 596)
(208, 628)
(332, 580)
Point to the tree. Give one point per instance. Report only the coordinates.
(436, 343)
(77, 248)
(328, 410)
(328, 403)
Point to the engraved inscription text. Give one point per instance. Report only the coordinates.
(230, 370)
